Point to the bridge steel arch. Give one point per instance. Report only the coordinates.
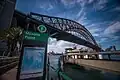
(66, 25)
(65, 29)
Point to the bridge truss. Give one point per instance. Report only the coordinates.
(66, 25)
(66, 29)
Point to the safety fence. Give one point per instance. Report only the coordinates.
(60, 73)
(7, 63)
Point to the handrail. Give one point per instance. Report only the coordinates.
(7, 67)
(8, 63)
(62, 74)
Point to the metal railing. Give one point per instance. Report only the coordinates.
(61, 74)
(7, 63)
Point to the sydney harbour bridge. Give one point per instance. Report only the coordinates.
(59, 28)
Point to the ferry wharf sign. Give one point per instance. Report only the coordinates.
(38, 36)
(29, 35)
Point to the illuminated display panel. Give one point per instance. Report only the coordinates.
(32, 62)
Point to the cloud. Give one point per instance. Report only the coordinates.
(95, 31)
(81, 17)
(113, 28)
(100, 4)
(117, 8)
(52, 41)
(104, 35)
(68, 2)
(90, 1)
(83, 2)
(73, 2)
(44, 5)
(59, 46)
(80, 12)
(103, 40)
(96, 34)
(50, 7)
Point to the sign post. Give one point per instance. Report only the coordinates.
(33, 56)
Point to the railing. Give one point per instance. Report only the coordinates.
(7, 63)
(61, 74)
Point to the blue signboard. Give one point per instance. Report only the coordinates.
(33, 62)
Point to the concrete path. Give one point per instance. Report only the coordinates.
(10, 75)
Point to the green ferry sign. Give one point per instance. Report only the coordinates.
(29, 35)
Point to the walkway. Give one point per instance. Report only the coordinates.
(10, 75)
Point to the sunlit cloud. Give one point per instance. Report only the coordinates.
(59, 46)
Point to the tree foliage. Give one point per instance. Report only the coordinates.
(10, 33)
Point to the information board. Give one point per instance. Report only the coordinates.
(32, 62)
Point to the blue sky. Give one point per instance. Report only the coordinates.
(100, 17)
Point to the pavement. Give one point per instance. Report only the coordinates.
(10, 75)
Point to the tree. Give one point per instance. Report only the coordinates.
(11, 36)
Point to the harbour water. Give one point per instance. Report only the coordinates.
(84, 73)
